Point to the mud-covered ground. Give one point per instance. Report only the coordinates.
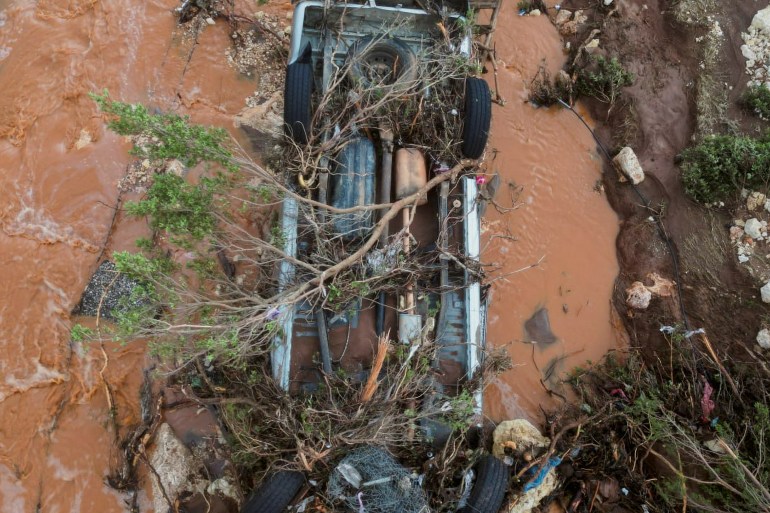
(657, 117)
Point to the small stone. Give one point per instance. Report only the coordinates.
(743, 259)
(767, 205)
(628, 163)
(607, 3)
(765, 291)
(593, 44)
(562, 17)
(535, 12)
(755, 200)
(210, 21)
(736, 232)
(763, 339)
(175, 167)
(753, 228)
(638, 296)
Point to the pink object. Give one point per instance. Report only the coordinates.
(481, 180)
(706, 404)
(619, 392)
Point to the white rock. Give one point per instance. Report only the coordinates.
(628, 163)
(594, 43)
(765, 291)
(210, 21)
(761, 22)
(748, 53)
(763, 339)
(755, 200)
(607, 2)
(743, 259)
(175, 167)
(638, 296)
(753, 228)
(174, 464)
(767, 205)
(535, 12)
(562, 17)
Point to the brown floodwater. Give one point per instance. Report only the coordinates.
(556, 315)
(59, 171)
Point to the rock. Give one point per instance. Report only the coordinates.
(755, 201)
(763, 338)
(661, 286)
(765, 291)
(175, 167)
(84, 140)
(210, 21)
(562, 17)
(521, 437)
(736, 232)
(761, 22)
(743, 259)
(607, 3)
(535, 12)
(638, 296)
(528, 501)
(629, 165)
(767, 205)
(518, 435)
(714, 446)
(174, 465)
(753, 228)
(592, 45)
(748, 53)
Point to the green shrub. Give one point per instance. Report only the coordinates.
(603, 79)
(177, 207)
(757, 100)
(719, 166)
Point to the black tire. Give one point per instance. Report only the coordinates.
(381, 59)
(297, 112)
(489, 488)
(477, 118)
(275, 494)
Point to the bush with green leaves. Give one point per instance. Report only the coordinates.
(603, 79)
(720, 166)
(756, 100)
(165, 135)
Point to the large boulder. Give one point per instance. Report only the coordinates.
(629, 165)
(761, 22)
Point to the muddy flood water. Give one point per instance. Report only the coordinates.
(548, 161)
(59, 171)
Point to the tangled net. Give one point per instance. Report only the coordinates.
(369, 479)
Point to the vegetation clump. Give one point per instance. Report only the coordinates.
(672, 432)
(720, 166)
(756, 100)
(603, 79)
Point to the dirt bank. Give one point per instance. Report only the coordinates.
(658, 118)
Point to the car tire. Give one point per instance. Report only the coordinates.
(275, 493)
(297, 112)
(388, 52)
(477, 118)
(490, 486)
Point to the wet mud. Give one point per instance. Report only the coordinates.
(553, 259)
